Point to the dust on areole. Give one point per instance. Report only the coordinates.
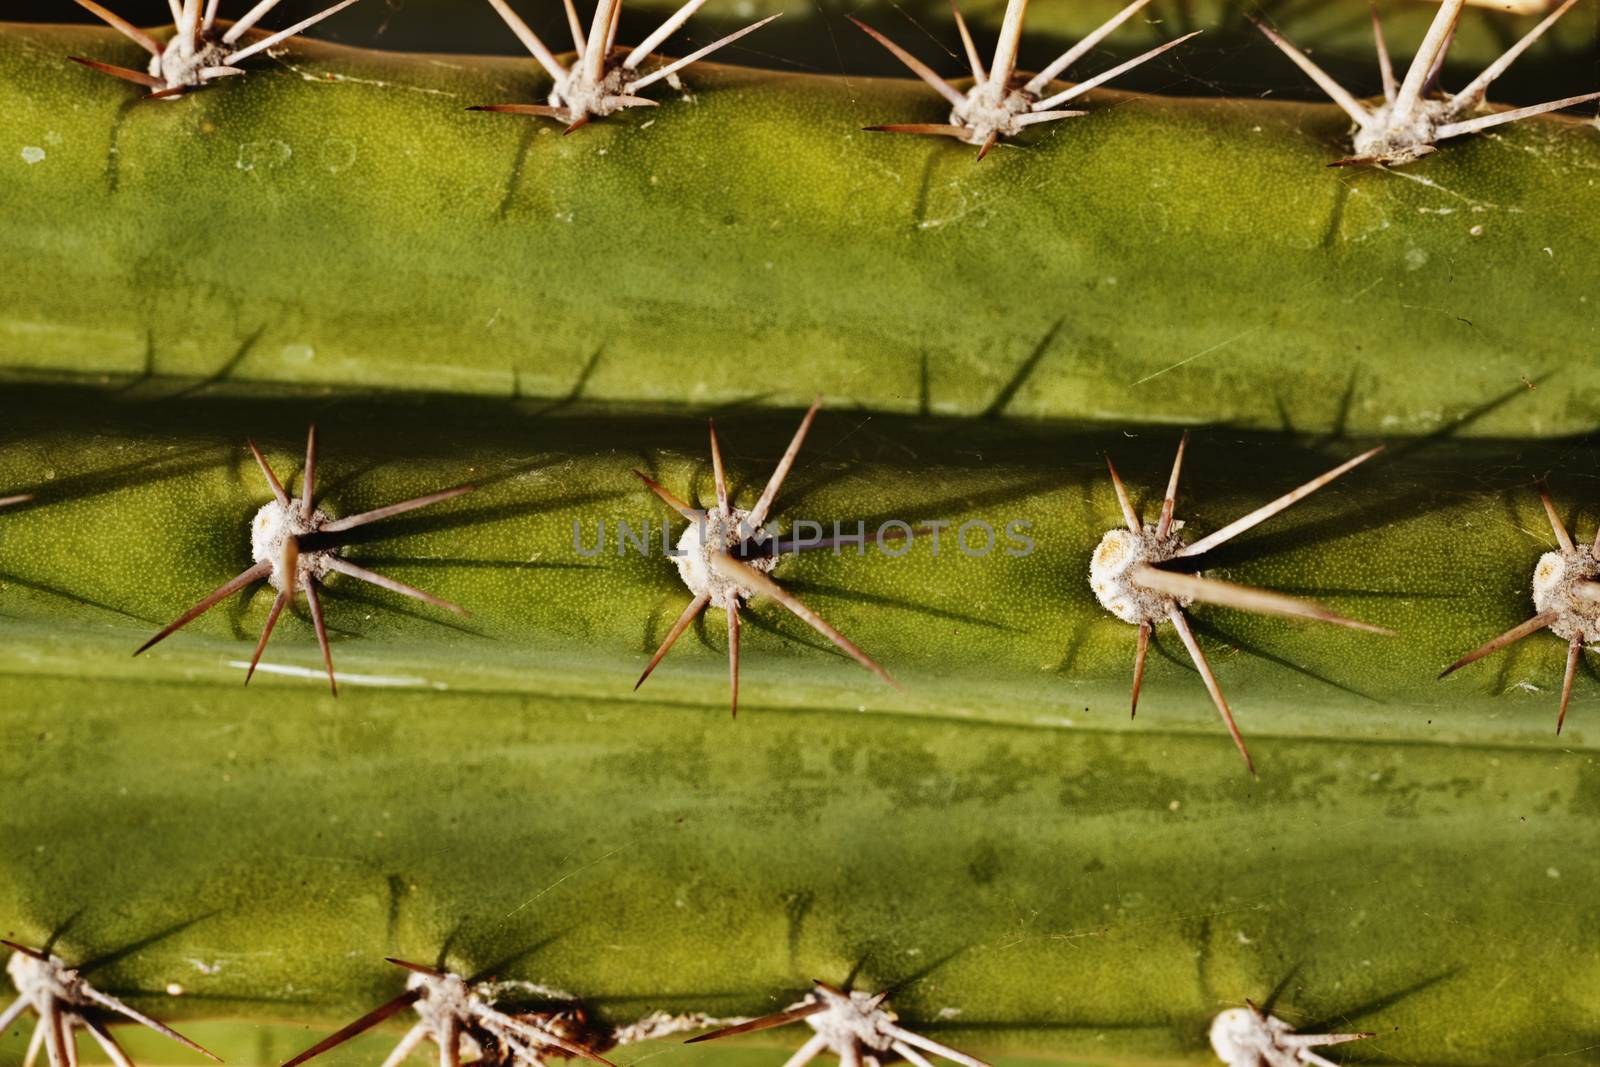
(275, 535)
(1566, 583)
(715, 533)
(1119, 553)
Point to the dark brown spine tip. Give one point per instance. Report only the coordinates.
(431, 972)
(26, 951)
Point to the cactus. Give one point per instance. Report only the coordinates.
(910, 278)
(479, 840)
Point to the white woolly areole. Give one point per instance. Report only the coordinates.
(273, 539)
(179, 70)
(449, 1005)
(1397, 143)
(453, 1010)
(707, 537)
(1564, 582)
(446, 1005)
(41, 981)
(991, 109)
(585, 98)
(853, 1021)
(448, 1010)
(1241, 1038)
(1121, 550)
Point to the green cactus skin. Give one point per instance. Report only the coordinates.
(339, 220)
(144, 504)
(331, 240)
(1115, 889)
